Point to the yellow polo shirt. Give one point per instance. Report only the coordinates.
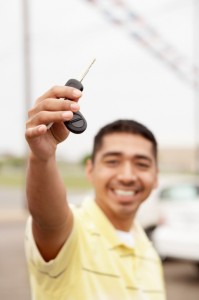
(95, 264)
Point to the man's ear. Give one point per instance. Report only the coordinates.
(89, 170)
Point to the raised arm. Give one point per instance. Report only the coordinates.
(46, 193)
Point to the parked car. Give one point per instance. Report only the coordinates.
(177, 234)
(148, 213)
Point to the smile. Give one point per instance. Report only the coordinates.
(126, 193)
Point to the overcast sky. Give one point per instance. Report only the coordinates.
(127, 80)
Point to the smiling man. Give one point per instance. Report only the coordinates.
(97, 251)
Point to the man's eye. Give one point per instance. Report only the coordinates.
(143, 165)
(111, 162)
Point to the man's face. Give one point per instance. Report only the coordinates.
(123, 174)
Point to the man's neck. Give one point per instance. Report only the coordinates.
(123, 223)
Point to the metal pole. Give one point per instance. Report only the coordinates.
(196, 91)
(26, 54)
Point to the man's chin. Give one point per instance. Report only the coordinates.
(126, 210)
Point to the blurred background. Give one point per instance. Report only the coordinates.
(147, 68)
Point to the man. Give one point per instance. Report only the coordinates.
(98, 251)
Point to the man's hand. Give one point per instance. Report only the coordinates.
(50, 108)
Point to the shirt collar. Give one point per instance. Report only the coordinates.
(101, 225)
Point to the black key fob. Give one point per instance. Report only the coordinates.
(78, 123)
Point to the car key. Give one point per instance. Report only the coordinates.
(78, 123)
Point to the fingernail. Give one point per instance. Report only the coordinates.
(77, 93)
(66, 114)
(74, 106)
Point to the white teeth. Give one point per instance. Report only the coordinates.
(124, 193)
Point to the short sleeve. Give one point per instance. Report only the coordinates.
(55, 273)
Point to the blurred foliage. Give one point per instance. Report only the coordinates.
(13, 172)
(12, 161)
(84, 159)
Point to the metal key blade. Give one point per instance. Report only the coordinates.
(87, 70)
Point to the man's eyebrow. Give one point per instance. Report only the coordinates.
(112, 153)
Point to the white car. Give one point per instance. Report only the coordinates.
(177, 235)
(148, 213)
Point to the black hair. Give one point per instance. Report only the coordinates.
(123, 126)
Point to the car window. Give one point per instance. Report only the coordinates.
(180, 192)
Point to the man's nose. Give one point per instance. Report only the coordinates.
(127, 173)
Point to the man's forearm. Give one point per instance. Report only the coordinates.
(46, 193)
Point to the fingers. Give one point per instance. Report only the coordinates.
(35, 131)
(49, 108)
(52, 104)
(46, 117)
(61, 92)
